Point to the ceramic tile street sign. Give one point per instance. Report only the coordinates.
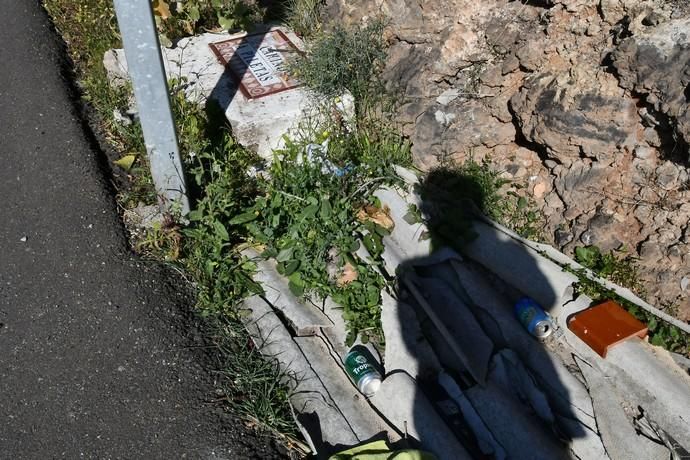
(258, 62)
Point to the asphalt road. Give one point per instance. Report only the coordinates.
(97, 356)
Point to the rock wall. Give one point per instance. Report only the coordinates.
(585, 102)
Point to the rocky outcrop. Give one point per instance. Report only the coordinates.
(655, 64)
(575, 114)
(584, 104)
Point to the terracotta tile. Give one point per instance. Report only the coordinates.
(605, 325)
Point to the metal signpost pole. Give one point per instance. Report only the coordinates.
(145, 65)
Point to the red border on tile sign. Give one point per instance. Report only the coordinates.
(251, 87)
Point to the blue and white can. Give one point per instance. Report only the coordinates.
(533, 317)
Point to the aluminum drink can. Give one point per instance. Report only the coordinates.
(359, 364)
(535, 320)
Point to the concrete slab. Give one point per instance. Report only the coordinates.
(322, 422)
(406, 240)
(363, 420)
(485, 439)
(568, 397)
(521, 267)
(513, 426)
(615, 426)
(304, 317)
(403, 404)
(336, 334)
(455, 323)
(567, 394)
(662, 388)
(406, 348)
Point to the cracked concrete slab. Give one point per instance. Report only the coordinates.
(318, 414)
(615, 426)
(363, 420)
(305, 318)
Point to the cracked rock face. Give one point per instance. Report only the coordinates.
(655, 63)
(574, 116)
(584, 104)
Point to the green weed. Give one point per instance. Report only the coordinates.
(615, 266)
(345, 58)
(181, 19)
(253, 385)
(161, 242)
(303, 16)
(311, 215)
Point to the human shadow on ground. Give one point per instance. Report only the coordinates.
(500, 394)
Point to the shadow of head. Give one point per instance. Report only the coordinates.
(452, 197)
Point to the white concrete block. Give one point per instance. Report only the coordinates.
(257, 123)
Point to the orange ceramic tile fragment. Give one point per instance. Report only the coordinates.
(605, 325)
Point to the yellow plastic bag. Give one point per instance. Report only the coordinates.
(379, 450)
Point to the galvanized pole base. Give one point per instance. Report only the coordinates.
(145, 64)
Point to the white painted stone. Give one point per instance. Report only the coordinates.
(448, 96)
(260, 123)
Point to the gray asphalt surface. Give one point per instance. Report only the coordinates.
(96, 355)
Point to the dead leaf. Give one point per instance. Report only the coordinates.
(347, 275)
(126, 162)
(376, 215)
(161, 9)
